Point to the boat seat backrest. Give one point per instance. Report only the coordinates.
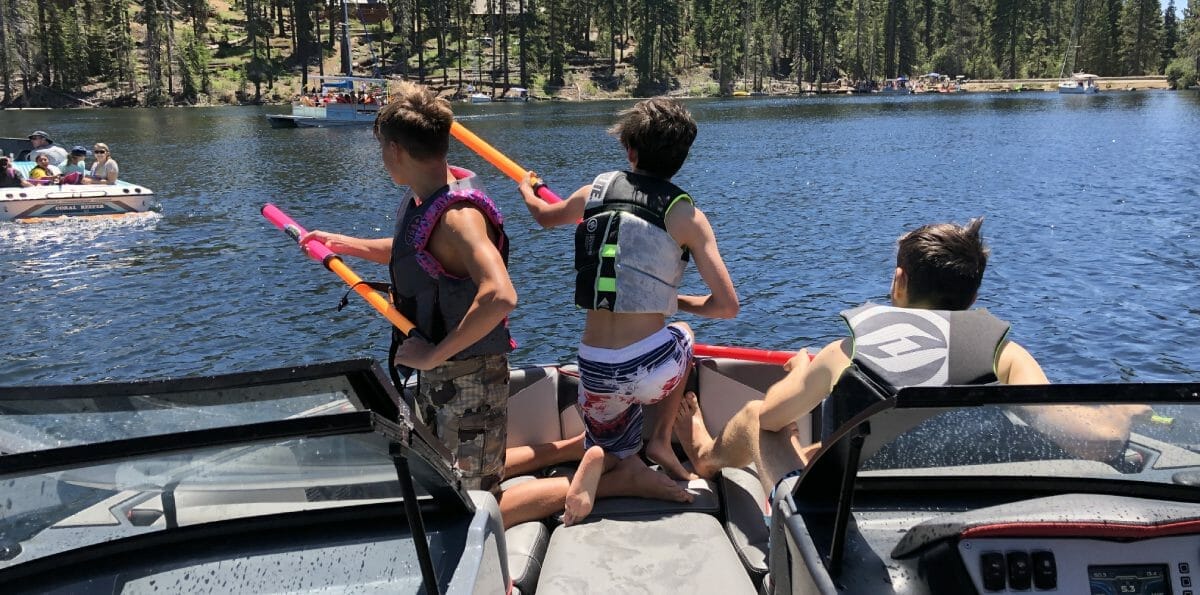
(541, 405)
(725, 385)
(533, 416)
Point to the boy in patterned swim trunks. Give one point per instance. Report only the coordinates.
(630, 251)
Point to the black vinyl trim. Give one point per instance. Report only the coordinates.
(161, 545)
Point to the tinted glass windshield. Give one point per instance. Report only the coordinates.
(46, 513)
(38, 424)
(1118, 441)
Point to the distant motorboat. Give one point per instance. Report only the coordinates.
(479, 98)
(337, 103)
(1079, 84)
(51, 201)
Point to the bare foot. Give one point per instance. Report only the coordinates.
(578, 505)
(694, 436)
(664, 455)
(632, 478)
(582, 493)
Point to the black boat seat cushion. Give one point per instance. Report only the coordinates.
(677, 553)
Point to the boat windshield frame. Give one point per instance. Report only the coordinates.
(859, 417)
(417, 457)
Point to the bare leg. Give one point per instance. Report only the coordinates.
(779, 453)
(533, 500)
(735, 447)
(519, 460)
(582, 493)
(658, 448)
(540, 498)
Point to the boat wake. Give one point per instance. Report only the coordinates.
(74, 229)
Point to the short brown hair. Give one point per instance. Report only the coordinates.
(944, 263)
(661, 131)
(417, 120)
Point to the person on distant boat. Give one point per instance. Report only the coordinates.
(104, 169)
(448, 264)
(630, 255)
(44, 145)
(11, 177)
(939, 268)
(76, 169)
(75, 161)
(43, 172)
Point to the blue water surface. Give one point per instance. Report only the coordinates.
(1090, 206)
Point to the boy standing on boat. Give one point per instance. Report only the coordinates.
(928, 337)
(447, 261)
(630, 253)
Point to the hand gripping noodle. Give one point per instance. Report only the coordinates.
(507, 166)
(318, 252)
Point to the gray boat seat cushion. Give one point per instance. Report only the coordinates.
(526, 548)
(678, 553)
(742, 501)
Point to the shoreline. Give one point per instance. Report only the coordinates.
(696, 90)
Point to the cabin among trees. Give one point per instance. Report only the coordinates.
(155, 52)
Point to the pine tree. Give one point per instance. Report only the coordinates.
(1141, 37)
(1170, 36)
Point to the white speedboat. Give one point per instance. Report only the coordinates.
(1079, 84)
(50, 201)
(479, 98)
(340, 101)
(318, 479)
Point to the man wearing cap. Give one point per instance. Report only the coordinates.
(44, 145)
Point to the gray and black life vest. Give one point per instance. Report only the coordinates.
(912, 347)
(625, 261)
(433, 299)
(903, 347)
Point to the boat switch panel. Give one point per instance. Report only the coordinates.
(1157, 566)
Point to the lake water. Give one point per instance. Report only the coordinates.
(1091, 206)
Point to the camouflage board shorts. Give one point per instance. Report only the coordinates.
(465, 402)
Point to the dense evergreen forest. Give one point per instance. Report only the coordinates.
(156, 52)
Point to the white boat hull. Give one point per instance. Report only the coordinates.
(1074, 90)
(47, 202)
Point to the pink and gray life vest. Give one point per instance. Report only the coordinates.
(433, 299)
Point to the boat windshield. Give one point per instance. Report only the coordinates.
(85, 504)
(92, 464)
(1082, 435)
(39, 418)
